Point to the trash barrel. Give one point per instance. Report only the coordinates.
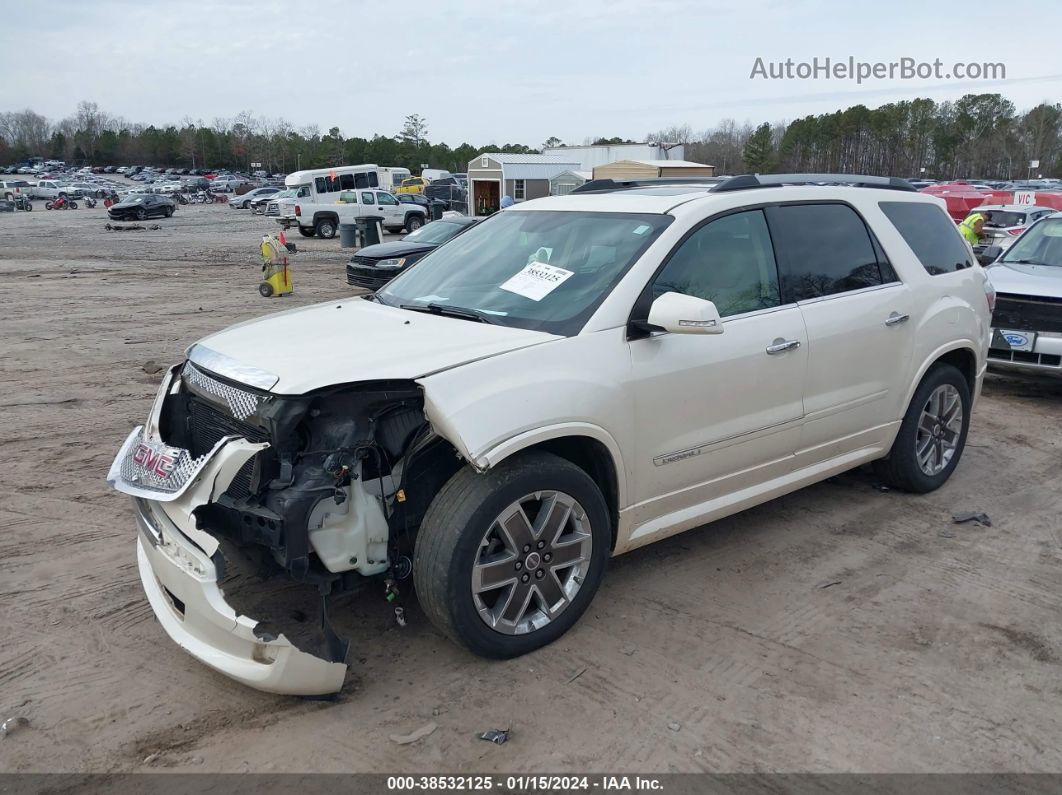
(437, 207)
(348, 235)
(369, 229)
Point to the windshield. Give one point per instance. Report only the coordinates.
(546, 271)
(411, 181)
(1000, 219)
(436, 232)
(1040, 245)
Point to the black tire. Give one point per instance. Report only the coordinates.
(307, 232)
(414, 222)
(71, 205)
(47, 205)
(900, 468)
(167, 212)
(141, 214)
(325, 228)
(266, 289)
(449, 540)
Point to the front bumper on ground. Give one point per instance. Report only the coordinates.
(177, 569)
(181, 585)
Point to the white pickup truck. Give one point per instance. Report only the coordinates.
(51, 189)
(323, 218)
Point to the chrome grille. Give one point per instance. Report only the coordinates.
(139, 474)
(242, 404)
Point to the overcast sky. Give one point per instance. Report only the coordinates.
(500, 72)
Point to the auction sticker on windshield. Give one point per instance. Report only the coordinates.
(537, 280)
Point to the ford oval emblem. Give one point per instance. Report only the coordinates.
(1016, 340)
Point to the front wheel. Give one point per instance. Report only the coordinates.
(932, 435)
(325, 228)
(141, 214)
(71, 205)
(507, 561)
(413, 223)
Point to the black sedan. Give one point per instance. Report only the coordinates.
(374, 266)
(141, 206)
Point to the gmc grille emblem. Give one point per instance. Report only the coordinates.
(154, 461)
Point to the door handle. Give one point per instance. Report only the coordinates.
(896, 319)
(781, 346)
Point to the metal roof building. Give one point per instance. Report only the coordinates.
(590, 156)
(645, 169)
(492, 175)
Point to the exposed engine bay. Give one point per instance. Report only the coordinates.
(335, 495)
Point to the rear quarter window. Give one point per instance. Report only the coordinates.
(931, 234)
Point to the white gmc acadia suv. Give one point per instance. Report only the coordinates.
(571, 379)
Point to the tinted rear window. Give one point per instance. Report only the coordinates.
(826, 249)
(931, 234)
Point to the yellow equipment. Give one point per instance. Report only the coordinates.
(276, 267)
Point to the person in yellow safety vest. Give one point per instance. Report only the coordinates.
(971, 228)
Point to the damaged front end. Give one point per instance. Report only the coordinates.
(227, 476)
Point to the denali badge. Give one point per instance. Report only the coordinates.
(160, 462)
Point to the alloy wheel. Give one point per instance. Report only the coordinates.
(939, 429)
(531, 562)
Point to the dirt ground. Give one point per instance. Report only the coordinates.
(841, 628)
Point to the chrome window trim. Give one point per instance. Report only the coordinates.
(227, 367)
(819, 298)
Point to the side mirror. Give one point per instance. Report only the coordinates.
(685, 314)
(989, 254)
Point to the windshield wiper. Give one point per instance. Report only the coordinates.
(1023, 262)
(451, 311)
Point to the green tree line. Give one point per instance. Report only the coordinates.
(978, 135)
(91, 136)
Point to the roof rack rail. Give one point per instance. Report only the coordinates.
(749, 181)
(607, 185)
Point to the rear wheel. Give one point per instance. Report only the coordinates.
(266, 289)
(932, 436)
(141, 214)
(167, 212)
(47, 205)
(325, 228)
(507, 561)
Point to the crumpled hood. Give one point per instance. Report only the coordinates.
(358, 340)
(1044, 281)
